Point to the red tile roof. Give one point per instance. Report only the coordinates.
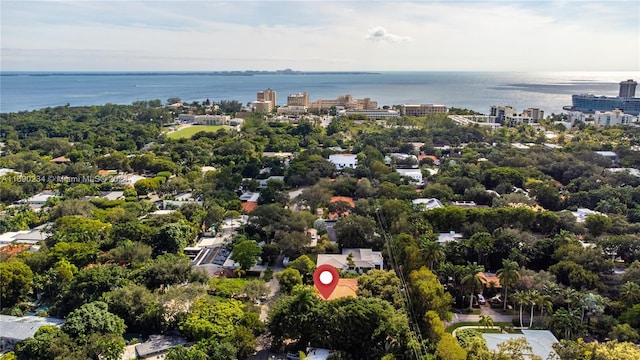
(249, 206)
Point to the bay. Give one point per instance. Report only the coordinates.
(549, 91)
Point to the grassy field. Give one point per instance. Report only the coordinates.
(188, 132)
(452, 327)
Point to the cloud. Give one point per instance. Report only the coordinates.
(380, 34)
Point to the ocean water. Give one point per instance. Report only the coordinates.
(549, 91)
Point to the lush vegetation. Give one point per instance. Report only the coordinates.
(112, 266)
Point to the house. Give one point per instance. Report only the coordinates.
(609, 155)
(490, 280)
(444, 238)
(157, 346)
(632, 171)
(433, 158)
(38, 200)
(427, 203)
(345, 288)
(582, 213)
(402, 160)
(342, 161)
(14, 329)
(60, 160)
(263, 183)
(113, 195)
(414, 174)
(363, 260)
(181, 199)
(5, 171)
(318, 353)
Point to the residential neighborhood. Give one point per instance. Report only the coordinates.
(450, 238)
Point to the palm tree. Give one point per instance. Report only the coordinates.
(565, 321)
(432, 252)
(532, 298)
(486, 321)
(508, 276)
(630, 293)
(544, 303)
(571, 296)
(473, 280)
(520, 297)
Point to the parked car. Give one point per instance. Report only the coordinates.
(293, 356)
(481, 299)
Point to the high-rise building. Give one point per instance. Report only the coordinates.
(628, 89)
(268, 95)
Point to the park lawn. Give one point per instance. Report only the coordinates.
(188, 132)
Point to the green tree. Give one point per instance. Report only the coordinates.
(246, 253)
(473, 280)
(355, 231)
(521, 298)
(597, 224)
(165, 270)
(624, 333)
(211, 317)
(16, 282)
(508, 276)
(138, 307)
(173, 238)
(381, 284)
(428, 294)
(630, 293)
(93, 318)
(304, 265)
(288, 279)
(145, 186)
(186, 353)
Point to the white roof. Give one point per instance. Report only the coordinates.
(428, 203)
(20, 328)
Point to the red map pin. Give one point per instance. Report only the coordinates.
(325, 278)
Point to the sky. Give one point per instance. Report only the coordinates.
(158, 35)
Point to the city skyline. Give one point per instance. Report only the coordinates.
(320, 36)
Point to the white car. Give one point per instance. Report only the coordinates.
(481, 299)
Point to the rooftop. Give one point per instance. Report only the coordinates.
(158, 344)
(20, 328)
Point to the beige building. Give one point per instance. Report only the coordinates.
(345, 101)
(299, 99)
(268, 95)
(534, 113)
(262, 106)
(423, 109)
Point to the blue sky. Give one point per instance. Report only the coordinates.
(320, 35)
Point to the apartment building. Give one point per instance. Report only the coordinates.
(423, 109)
(299, 99)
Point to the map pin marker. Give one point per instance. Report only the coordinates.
(325, 278)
